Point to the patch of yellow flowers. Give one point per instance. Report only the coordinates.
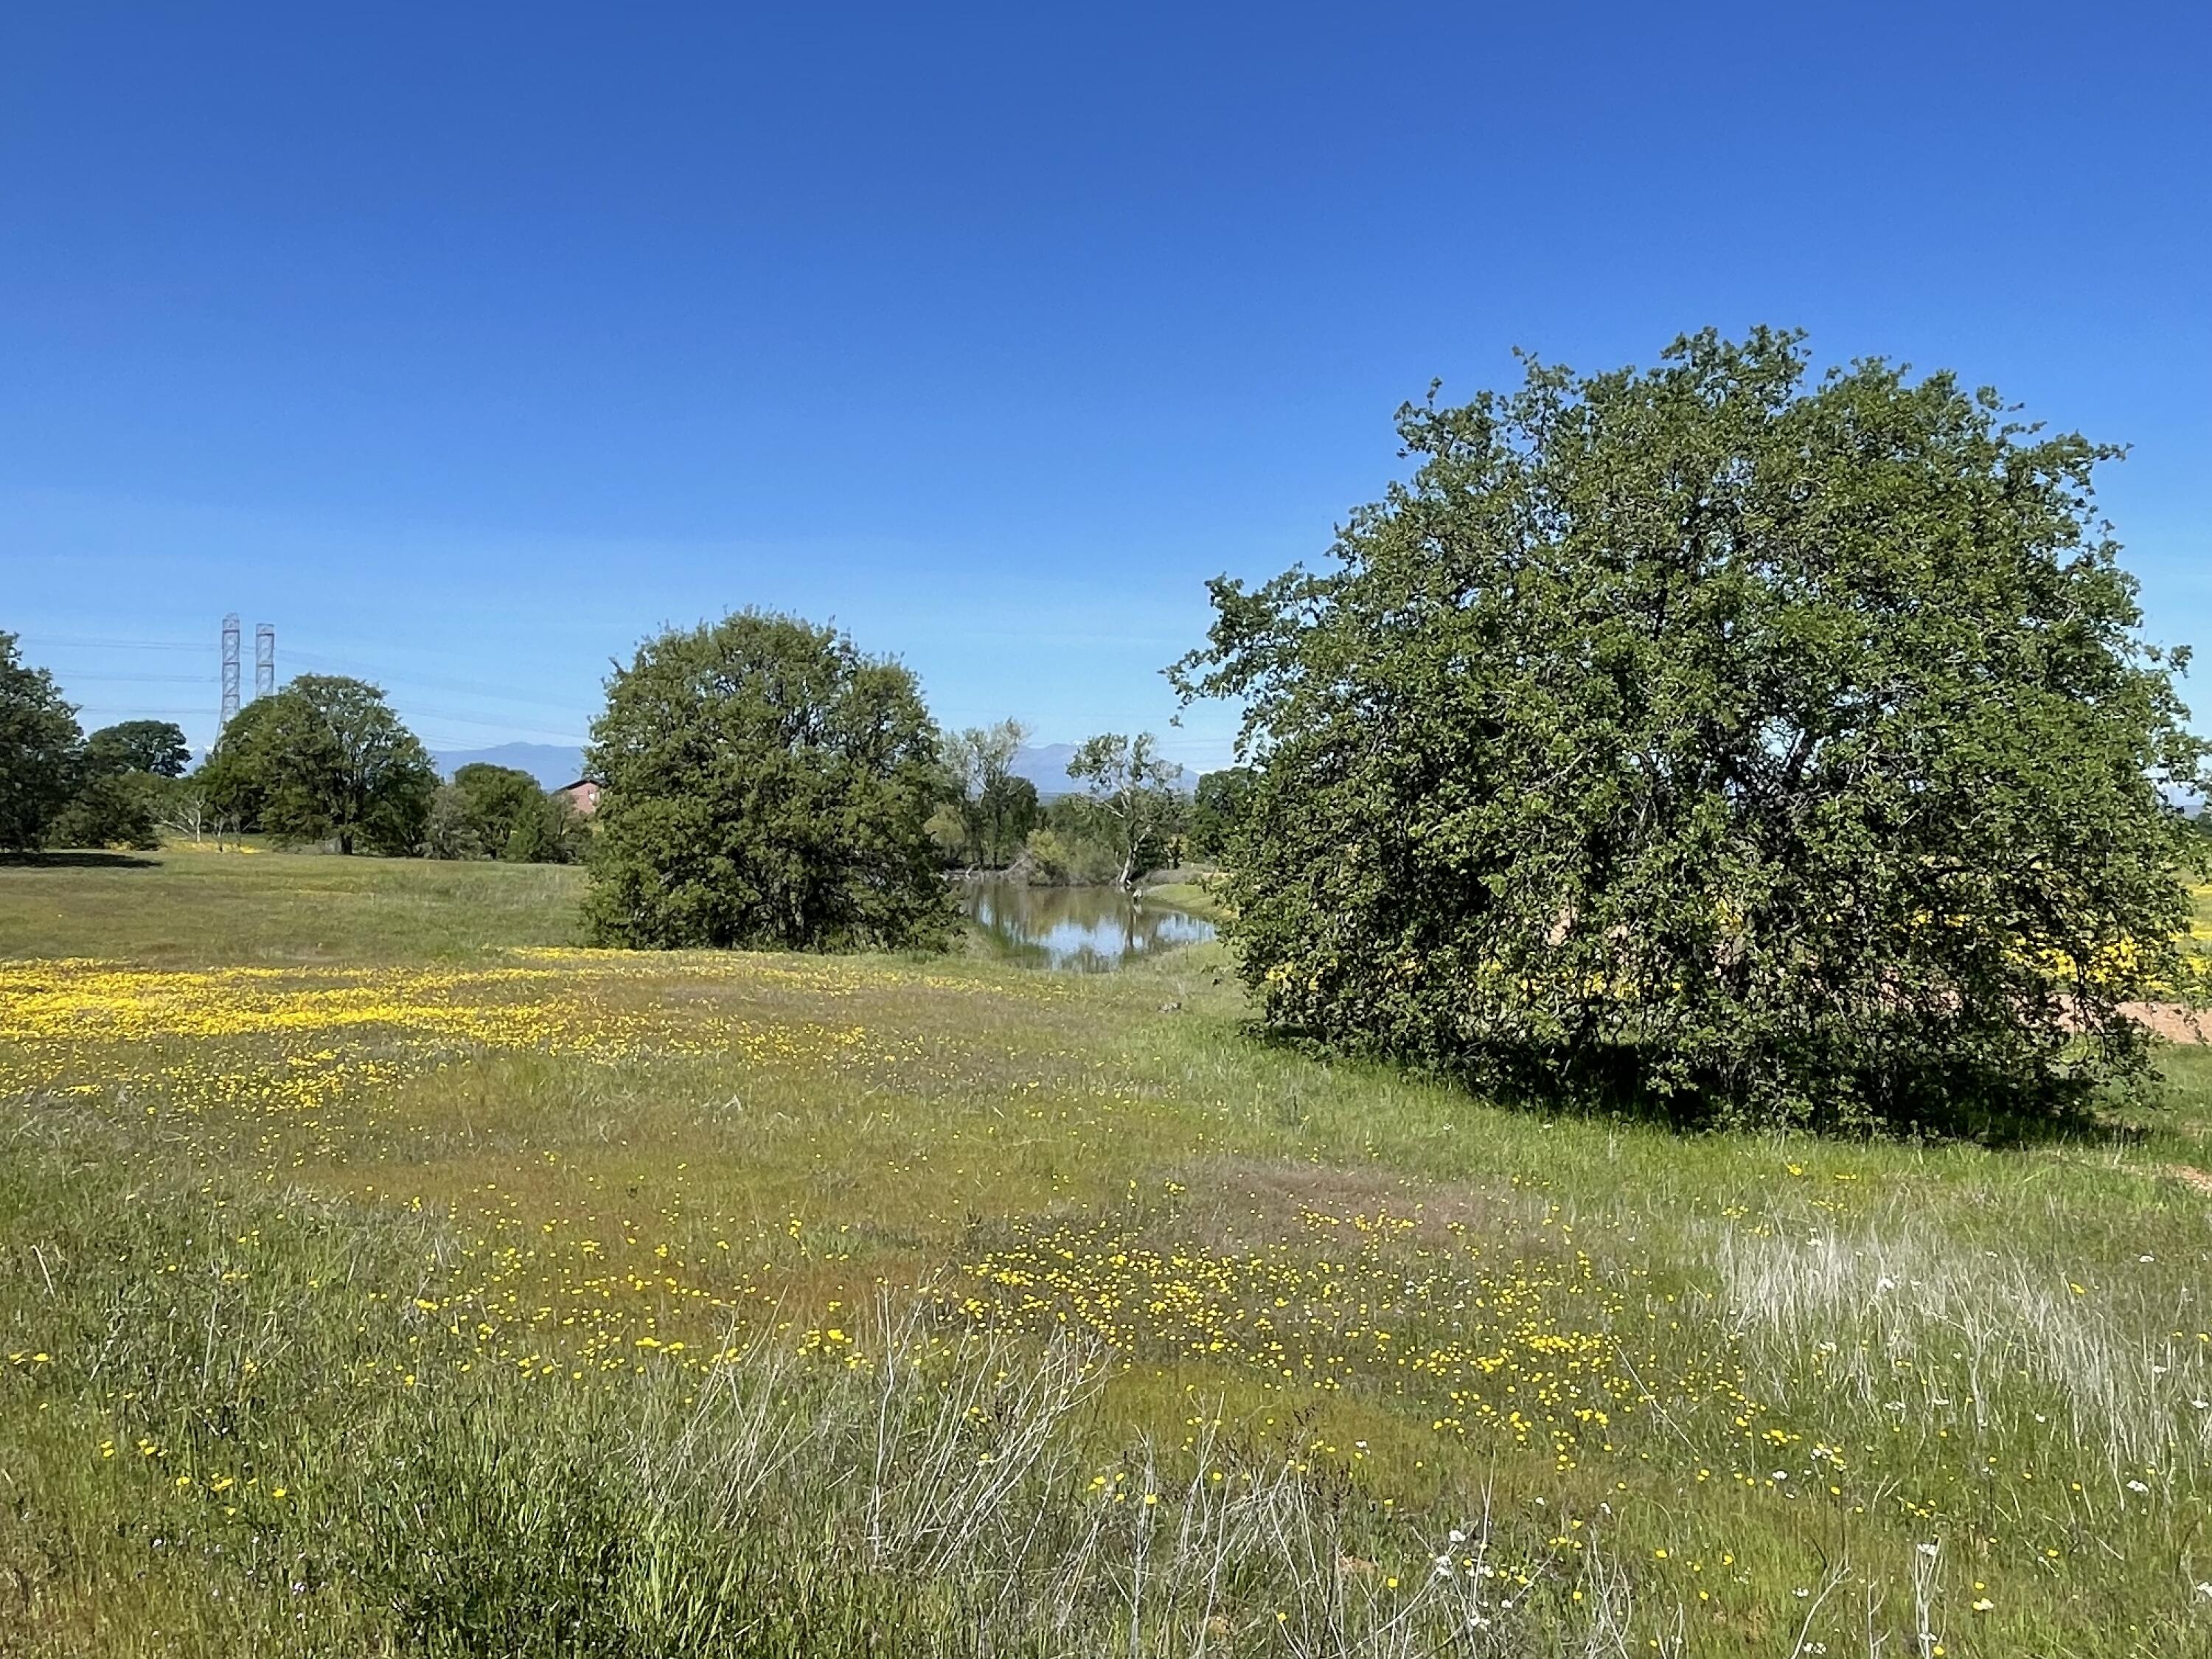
(1531, 1351)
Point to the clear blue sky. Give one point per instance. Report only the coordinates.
(467, 345)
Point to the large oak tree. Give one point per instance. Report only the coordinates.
(325, 759)
(1783, 746)
(764, 783)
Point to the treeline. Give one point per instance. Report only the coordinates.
(764, 781)
(327, 762)
(1127, 815)
(114, 788)
(323, 760)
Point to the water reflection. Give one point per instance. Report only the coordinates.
(1085, 929)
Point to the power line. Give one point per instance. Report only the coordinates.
(50, 641)
(436, 712)
(436, 682)
(138, 679)
(138, 709)
(402, 683)
(307, 659)
(509, 729)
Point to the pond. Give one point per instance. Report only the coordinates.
(1085, 929)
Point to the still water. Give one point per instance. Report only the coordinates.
(1087, 929)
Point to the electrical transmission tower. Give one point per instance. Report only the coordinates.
(264, 659)
(229, 668)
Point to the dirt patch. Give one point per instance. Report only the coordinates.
(2170, 1020)
(2191, 1177)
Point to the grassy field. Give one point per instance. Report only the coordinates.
(382, 1274)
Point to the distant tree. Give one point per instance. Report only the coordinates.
(325, 759)
(182, 806)
(763, 783)
(449, 831)
(40, 750)
(155, 747)
(1131, 790)
(1218, 808)
(948, 834)
(110, 809)
(1076, 818)
(233, 778)
(547, 831)
(495, 797)
(1786, 751)
(1010, 811)
(980, 762)
(504, 813)
(123, 782)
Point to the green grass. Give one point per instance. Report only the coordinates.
(1198, 898)
(192, 905)
(582, 1303)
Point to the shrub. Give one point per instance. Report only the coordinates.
(501, 812)
(111, 809)
(1056, 858)
(450, 831)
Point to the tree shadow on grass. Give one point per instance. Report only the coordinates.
(1938, 1101)
(77, 860)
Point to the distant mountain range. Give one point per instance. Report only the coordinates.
(1046, 766)
(552, 764)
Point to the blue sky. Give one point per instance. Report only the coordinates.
(467, 345)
